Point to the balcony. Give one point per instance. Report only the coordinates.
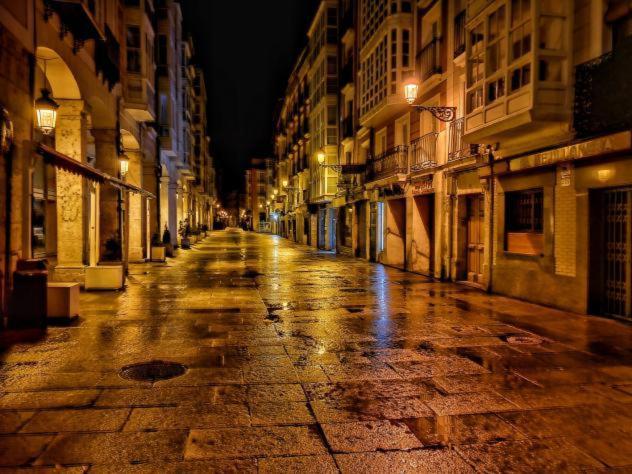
(390, 163)
(429, 59)
(459, 34)
(76, 17)
(139, 99)
(603, 93)
(457, 148)
(108, 59)
(423, 152)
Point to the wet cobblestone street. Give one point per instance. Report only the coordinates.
(303, 361)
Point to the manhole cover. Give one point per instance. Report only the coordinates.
(152, 371)
(524, 340)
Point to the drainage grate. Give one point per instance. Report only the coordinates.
(152, 371)
(524, 340)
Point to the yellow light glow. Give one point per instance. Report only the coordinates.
(46, 109)
(411, 89)
(124, 163)
(321, 157)
(285, 183)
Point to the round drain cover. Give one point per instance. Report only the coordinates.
(153, 371)
(524, 340)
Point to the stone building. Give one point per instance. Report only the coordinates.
(83, 167)
(515, 175)
(260, 194)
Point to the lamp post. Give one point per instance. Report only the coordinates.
(411, 91)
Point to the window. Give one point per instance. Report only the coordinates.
(520, 77)
(133, 49)
(475, 67)
(551, 70)
(520, 35)
(524, 221)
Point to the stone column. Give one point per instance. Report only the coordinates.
(135, 228)
(173, 220)
(107, 160)
(70, 139)
(150, 184)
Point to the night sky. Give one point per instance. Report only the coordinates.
(247, 50)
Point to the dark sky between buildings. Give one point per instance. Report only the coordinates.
(247, 49)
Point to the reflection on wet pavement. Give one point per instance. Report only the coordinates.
(300, 361)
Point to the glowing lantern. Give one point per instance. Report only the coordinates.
(411, 89)
(46, 109)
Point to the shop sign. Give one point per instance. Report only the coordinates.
(599, 146)
(423, 186)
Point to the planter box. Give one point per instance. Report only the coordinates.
(62, 300)
(105, 277)
(158, 253)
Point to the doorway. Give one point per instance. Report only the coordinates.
(610, 281)
(361, 216)
(475, 238)
(422, 247)
(396, 233)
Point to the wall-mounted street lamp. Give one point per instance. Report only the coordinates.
(321, 155)
(124, 164)
(411, 90)
(46, 110)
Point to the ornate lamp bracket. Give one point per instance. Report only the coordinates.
(445, 114)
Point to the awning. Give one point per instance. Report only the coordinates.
(59, 160)
(117, 183)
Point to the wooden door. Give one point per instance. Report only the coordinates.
(475, 246)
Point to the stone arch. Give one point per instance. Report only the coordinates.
(58, 75)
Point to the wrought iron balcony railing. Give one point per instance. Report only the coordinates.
(603, 93)
(389, 163)
(423, 152)
(457, 148)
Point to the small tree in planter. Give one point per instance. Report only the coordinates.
(113, 250)
(158, 250)
(166, 241)
(184, 231)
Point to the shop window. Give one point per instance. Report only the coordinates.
(524, 222)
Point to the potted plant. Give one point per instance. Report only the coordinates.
(110, 273)
(184, 231)
(158, 249)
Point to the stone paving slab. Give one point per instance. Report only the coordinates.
(302, 361)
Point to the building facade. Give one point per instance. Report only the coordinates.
(83, 161)
(515, 175)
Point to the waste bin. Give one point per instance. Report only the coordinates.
(28, 298)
